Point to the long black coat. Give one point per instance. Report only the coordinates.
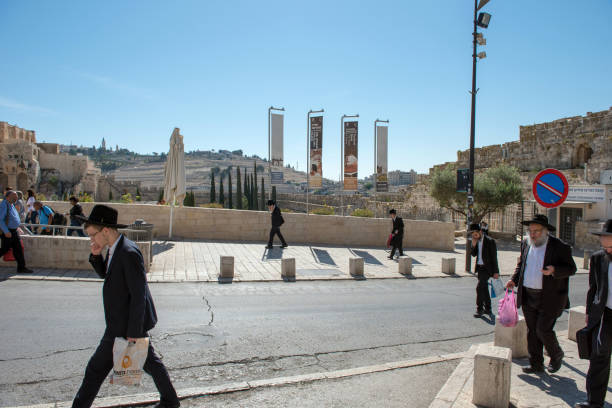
(597, 296)
(489, 255)
(555, 287)
(277, 218)
(128, 305)
(398, 225)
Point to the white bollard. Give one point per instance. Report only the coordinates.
(448, 266)
(576, 322)
(356, 267)
(227, 267)
(514, 338)
(288, 268)
(492, 368)
(405, 266)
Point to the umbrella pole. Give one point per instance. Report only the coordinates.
(171, 217)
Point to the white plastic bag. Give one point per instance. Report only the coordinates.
(497, 287)
(128, 360)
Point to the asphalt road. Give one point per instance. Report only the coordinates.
(213, 334)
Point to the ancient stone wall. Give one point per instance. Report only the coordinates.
(11, 133)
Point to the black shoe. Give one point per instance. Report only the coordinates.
(478, 314)
(389, 257)
(533, 369)
(587, 404)
(269, 247)
(284, 246)
(25, 270)
(555, 364)
(167, 405)
(488, 312)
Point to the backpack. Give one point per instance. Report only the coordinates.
(58, 218)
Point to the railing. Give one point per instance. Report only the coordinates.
(132, 234)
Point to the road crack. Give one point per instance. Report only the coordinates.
(45, 355)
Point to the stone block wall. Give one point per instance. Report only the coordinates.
(584, 238)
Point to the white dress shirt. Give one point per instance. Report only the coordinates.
(609, 301)
(111, 251)
(535, 264)
(480, 261)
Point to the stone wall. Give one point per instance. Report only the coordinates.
(242, 225)
(58, 252)
(584, 238)
(11, 133)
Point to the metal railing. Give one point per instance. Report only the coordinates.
(62, 230)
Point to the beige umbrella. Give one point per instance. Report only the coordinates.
(174, 173)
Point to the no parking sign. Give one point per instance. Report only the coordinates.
(550, 188)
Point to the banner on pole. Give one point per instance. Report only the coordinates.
(382, 182)
(276, 141)
(350, 155)
(316, 150)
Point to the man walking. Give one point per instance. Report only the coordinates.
(542, 280)
(397, 233)
(485, 251)
(128, 306)
(76, 214)
(9, 222)
(599, 320)
(277, 221)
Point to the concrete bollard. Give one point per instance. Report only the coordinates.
(492, 368)
(405, 266)
(448, 266)
(587, 259)
(288, 269)
(576, 322)
(356, 267)
(227, 269)
(514, 338)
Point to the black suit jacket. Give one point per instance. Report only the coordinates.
(489, 255)
(597, 296)
(277, 218)
(554, 287)
(128, 305)
(398, 225)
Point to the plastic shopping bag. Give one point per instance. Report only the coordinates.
(128, 360)
(497, 287)
(9, 256)
(389, 240)
(507, 311)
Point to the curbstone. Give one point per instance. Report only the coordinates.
(514, 338)
(448, 266)
(492, 369)
(576, 322)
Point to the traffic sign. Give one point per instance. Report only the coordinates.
(550, 188)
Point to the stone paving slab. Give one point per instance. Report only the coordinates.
(199, 261)
(561, 389)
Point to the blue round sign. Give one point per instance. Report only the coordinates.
(550, 188)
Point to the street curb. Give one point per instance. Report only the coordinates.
(152, 398)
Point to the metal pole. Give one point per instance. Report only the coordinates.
(307, 158)
(374, 176)
(470, 192)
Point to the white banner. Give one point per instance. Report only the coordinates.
(276, 142)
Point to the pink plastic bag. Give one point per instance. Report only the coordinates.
(507, 311)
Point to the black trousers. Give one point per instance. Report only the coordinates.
(540, 325)
(101, 363)
(599, 369)
(13, 243)
(396, 243)
(276, 231)
(483, 298)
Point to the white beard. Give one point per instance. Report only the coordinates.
(539, 242)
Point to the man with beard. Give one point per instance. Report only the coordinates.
(485, 251)
(542, 280)
(599, 320)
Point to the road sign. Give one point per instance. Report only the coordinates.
(550, 188)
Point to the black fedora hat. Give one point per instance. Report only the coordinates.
(606, 230)
(540, 219)
(474, 228)
(271, 202)
(104, 216)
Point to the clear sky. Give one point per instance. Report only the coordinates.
(131, 71)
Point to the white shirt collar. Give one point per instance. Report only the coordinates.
(111, 250)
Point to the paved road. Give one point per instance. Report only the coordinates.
(213, 334)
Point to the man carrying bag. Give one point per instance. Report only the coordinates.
(484, 249)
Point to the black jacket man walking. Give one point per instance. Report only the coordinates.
(398, 234)
(485, 251)
(128, 306)
(277, 221)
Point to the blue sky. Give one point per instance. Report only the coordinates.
(78, 71)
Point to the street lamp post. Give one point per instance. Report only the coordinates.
(342, 158)
(310, 112)
(270, 109)
(481, 20)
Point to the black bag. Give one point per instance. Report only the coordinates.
(584, 339)
(58, 218)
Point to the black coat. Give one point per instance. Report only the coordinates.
(555, 287)
(128, 305)
(489, 255)
(398, 225)
(277, 218)
(597, 296)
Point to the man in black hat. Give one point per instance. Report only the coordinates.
(277, 221)
(398, 234)
(599, 320)
(542, 280)
(485, 251)
(128, 306)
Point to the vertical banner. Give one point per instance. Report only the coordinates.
(316, 150)
(276, 144)
(350, 155)
(382, 183)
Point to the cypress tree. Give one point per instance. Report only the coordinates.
(274, 193)
(221, 195)
(160, 196)
(255, 194)
(262, 204)
(229, 190)
(110, 195)
(213, 193)
(246, 187)
(238, 189)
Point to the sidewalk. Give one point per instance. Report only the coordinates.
(561, 389)
(198, 261)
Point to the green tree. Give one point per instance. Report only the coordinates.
(110, 195)
(253, 192)
(138, 195)
(238, 189)
(246, 189)
(213, 193)
(255, 195)
(229, 190)
(221, 194)
(274, 193)
(262, 203)
(161, 195)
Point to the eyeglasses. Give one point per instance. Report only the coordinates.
(93, 236)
